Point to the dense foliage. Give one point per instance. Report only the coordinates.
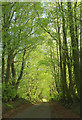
(41, 50)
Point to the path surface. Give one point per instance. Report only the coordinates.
(46, 110)
(59, 111)
(40, 110)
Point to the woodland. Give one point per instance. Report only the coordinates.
(41, 51)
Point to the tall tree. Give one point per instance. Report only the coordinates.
(74, 47)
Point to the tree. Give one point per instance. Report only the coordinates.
(41, 44)
(74, 42)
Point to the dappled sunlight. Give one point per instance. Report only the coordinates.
(44, 100)
(41, 53)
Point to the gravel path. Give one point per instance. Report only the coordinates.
(40, 110)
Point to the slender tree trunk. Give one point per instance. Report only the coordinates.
(65, 56)
(81, 58)
(54, 69)
(8, 69)
(61, 68)
(22, 68)
(61, 60)
(58, 79)
(3, 51)
(13, 72)
(21, 74)
(74, 48)
(3, 63)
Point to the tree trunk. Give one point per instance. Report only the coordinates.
(61, 60)
(61, 69)
(81, 58)
(3, 63)
(22, 68)
(13, 72)
(65, 56)
(74, 48)
(8, 69)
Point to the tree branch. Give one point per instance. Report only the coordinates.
(22, 68)
(43, 26)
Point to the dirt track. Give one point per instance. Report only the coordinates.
(47, 110)
(41, 110)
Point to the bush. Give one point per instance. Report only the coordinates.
(8, 92)
(58, 96)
